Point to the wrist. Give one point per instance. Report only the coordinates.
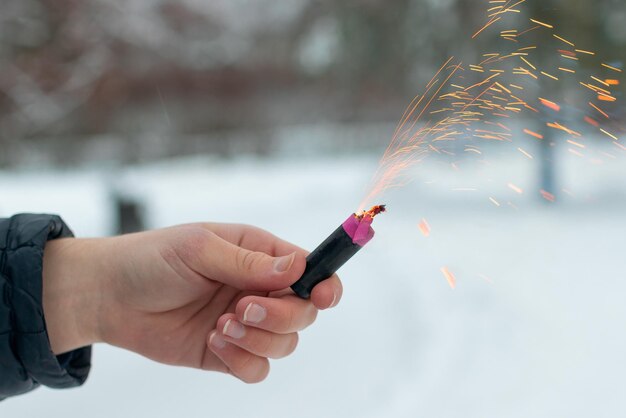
(74, 284)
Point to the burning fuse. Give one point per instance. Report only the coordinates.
(336, 250)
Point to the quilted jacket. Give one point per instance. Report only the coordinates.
(26, 359)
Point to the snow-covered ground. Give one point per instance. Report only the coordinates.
(535, 327)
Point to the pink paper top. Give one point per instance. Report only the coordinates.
(360, 230)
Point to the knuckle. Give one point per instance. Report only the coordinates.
(247, 260)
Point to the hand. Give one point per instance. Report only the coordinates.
(209, 296)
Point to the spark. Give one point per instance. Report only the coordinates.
(612, 82)
(601, 81)
(567, 70)
(494, 201)
(515, 188)
(549, 76)
(542, 24)
(563, 40)
(525, 153)
(528, 63)
(610, 67)
(582, 51)
(424, 228)
(549, 104)
(606, 98)
(449, 277)
(609, 134)
(559, 127)
(602, 112)
(531, 133)
(491, 22)
(576, 144)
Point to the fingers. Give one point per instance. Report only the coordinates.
(279, 315)
(328, 293)
(241, 363)
(256, 341)
(261, 328)
(225, 262)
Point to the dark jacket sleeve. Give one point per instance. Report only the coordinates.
(26, 359)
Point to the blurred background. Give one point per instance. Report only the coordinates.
(134, 114)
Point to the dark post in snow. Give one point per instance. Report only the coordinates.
(547, 170)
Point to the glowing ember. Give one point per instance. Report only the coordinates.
(375, 210)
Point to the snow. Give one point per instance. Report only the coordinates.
(534, 328)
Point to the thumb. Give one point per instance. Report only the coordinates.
(243, 269)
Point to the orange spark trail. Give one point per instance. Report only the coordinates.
(551, 105)
(474, 102)
(603, 113)
(449, 277)
(542, 24)
(611, 68)
(491, 22)
(563, 40)
(531, 133)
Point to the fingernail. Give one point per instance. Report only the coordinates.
(332, 304)
(234, 329)
(254, 313)
(217, 341)
(282, 264)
